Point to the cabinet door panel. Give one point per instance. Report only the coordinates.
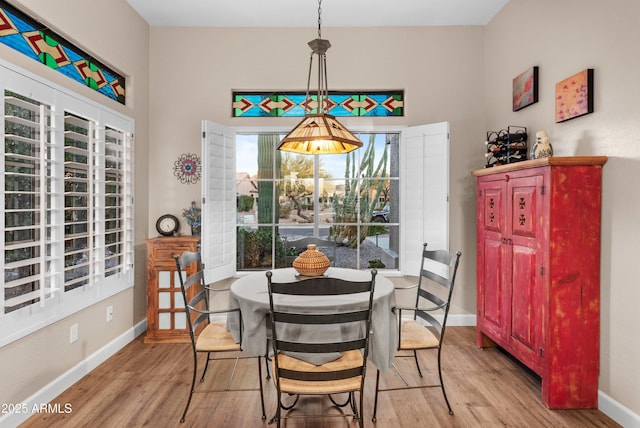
(493, 300)
(526, 214)
(524, 331)
(525, 199)
(493, 215)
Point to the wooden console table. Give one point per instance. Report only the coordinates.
(166, 318)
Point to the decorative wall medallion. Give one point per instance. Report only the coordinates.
(188, 168)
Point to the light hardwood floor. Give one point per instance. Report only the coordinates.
(147, 385)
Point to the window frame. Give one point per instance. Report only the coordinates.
(58, 302)
(317, 227)
(418, 143)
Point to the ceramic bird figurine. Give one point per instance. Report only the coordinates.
(542, 148)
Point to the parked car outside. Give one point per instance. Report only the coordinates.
(381, 216)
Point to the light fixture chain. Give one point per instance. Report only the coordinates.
(319, 19)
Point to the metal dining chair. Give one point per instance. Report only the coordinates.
(207, 336)
(345, 371)
(425, 330)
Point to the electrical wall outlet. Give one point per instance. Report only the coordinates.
(109, 313)
(73, 333)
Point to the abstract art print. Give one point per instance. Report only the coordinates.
(525, 89)
(574, 96)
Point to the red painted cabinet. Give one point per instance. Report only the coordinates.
(538, 271)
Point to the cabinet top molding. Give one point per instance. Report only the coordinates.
(534, 163)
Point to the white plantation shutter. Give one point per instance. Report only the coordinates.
(218, 240)
(424, 195)
(27, 197)
(79, 168)
(67, 190)
(118, 194)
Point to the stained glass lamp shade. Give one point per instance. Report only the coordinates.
(319, 133)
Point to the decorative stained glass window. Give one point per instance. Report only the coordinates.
(340, 104)
(29, 37)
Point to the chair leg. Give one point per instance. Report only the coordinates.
(415, 357)
(193, 384)
(264, 414)
(442, 383)
(277, 417)
(359, 411)
(375, 401)
(206, 366)
(266, 360)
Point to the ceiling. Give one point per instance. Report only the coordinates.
(304, 13)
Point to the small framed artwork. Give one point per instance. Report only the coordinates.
(525, 89)
(574, 96)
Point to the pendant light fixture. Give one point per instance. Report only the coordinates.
(319, 133)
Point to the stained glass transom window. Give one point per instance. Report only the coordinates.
(296, 104)
(29, 37)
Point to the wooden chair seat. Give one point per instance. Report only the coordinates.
(216, 338)
(416, 336)
(349, 359)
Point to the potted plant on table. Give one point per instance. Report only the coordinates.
(193, 216)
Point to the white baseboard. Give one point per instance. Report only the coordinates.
(461, 320)
(617, 411)
(71, 376)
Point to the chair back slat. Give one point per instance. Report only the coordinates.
(431, 320)
(321, 348)
(318, 319)
(427, 295)
(322, 376)
(200, 319)
(435, 288)
(200, 297)
(320, 286)
(198, 302)
(195, 279)
(439, 279)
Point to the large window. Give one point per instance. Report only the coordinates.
(380, 203)
(352, 199)
(68, 203)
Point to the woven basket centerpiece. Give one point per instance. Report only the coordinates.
(311, 262)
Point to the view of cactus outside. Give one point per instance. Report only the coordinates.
(350, 199)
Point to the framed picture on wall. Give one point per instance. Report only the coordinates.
(574, 96)
(525, 89)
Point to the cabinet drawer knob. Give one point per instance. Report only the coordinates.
(506, 177)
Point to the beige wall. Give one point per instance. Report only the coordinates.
(33, 362)
(441, 70)
(459, 74)
(563, 38)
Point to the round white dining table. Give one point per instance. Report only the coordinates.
(250, 294)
